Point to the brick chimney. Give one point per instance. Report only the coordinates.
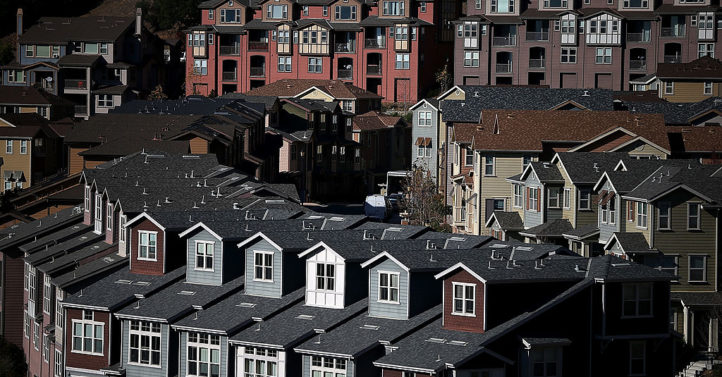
(138, 21)
(18, 32)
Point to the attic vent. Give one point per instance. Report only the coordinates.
(83, 238)
(436, 340)
(457, 239)
(142, 283)
(336, 218)
(458, 343)
(620, 264)
(498, 246)
(186, 293)
(369, 327)
(123, 281)
(306, 317)
(394, 229)
(275, 201)
(246, 305)
(524, 248)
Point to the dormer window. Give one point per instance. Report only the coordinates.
(277, 12)
(147, 245)
(204, 255)
(325, 276)
(88, 335)
(87, 198)
(346, 12)
(389, 287)
(231, 15)
(98, 213)
(394, 8)
(263, 266)
(109, 218)
(464, 299)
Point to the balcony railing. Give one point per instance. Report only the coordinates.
(231, 76)
(537, 36)
(638, 65)
(345, 47)
(258, 71)
(503, 68)
(345, 74)
(638, 37)
(76, 84)
(258, 46)
(504, 41)
(675, 31)
(375, 43)
(372, 69)
(230, 50)
(81, 109)
(536, 63)
(671, 58)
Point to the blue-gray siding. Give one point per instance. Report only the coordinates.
(306, 366)
(193, 275)
(141, 370)
(388, 310)
(224, 367)
(533, 218)
(606, 230)
(263, 288)
(429, 163)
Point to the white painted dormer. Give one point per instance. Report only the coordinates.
(98, 214)
(325, 279)
(604, 29)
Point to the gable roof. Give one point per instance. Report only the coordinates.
(703, 68)
(507, 220)
(287, 88)
(374, 120)
(588, 167)
(630, 243)
(62, 30)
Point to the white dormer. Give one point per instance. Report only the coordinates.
(604, 29)
(98, 214)
(325, 277)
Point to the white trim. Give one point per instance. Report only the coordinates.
(381, 255)
(148, 232)
(389, 288)
(82, 322)
(602, 136)
(196, 226)
(147, 216)
(454, 88)
(412, 108)
(151, 334)
(699, 215)
(266, 279)
(637, 139)
(463, 299)
(459, 265)
(254, 237)
(704, 269)
(316, 246)
(205, 255)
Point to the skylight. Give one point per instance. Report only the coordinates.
(122, 281)
(306, 317)
(246, 305)
(457, 343)
(369, 327)
(436, 340)
(143, 283)
(186, 293)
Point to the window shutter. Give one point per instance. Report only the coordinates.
(538, 200)
(631, 210)
(527, 198)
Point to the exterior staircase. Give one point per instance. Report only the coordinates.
(695, 368)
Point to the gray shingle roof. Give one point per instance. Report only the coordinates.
(62, 30)
(676, 113)
(553, 228)
(79, 241)
(509, 220)
(547, 172)
(632, 242)
(297, 324)
(587, 167)
(367, 332)
(671, 175)
(698, 298)
(22, 233)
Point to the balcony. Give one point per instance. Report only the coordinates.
(533, 64)
(504, 41)
(671, 59)
(674, 31)
(76, 84)
(345, 47)
(257, 46)
(230, 50)
(258, 71)
(231, 76)
(372, 69)
(375, 43)
(637, 65)
(537, 36)
(637, 37)
(503, 68)
(345, 74)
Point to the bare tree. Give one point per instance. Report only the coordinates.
(422, 202)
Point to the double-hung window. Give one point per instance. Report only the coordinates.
(545, 361)
(326, 276)
(424, 118)
(200, 67)
(147, 245)
(585, 199)
(707, 88)
(669, 87)
(693, 216)
(346, 12)
(204, 355)
(553, 197)
(402, 61)
(464, 299)
(47, 294)
(637, 300)
(144, 345)
(705, 49)
(641, 215)
(393, 8)
(489, 166)
(88, 334)
(276, 12)
(324, 366)
(122, 230)
(637, 358)
(36, 336)
(23, 147)
(471, 58)
(468, 157)
(518, 196)
(59, 314)
(109, 217)
(263, 265)
(697, 269)
(58, 370)
(260, 362)
(569, 55)
(87, 198)
(8, 147)
(604, 55)
(204, 255)
(663, 211)
(105, 100)
(533, 204)
(315, 65)
(388, 287)
(284, 64)
(98, 213)
(567, 198)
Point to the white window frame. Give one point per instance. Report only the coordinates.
(109, 216)
(402, 61)
(202, 254)
(47, 292)
(667, 216)
(641, 215)
(464, 300)
(326, 276)
(98, 215)
(46, 349)
(325, 365)
(669, 87)
(697, 218)
(424, 118)
(703, 268)
(23, 147)
(263, 358)
(59, 313)
(568, 55)
(553, 194)
(145, 330)
(471, 58)
(605, 57)
(147, 246)
(518, 195)
(88, 319)
(707, 89)
(581, 198)
(203, 343)
(58, 367)
(637, 299)
(533, 199)
(88, 196)
(122, 228)
(36, 336)
(8, 147)
(632, 357)
(265, 275)
(487, 164)
(389, 287)
(567, 198)
(705, 49)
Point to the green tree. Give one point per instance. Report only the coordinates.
(422, 203)
(444, 78)
(12, 360)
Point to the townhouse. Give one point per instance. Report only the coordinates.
(28, 99)
(689, 82)
(383, 48)
(589, 44)
(93, 61)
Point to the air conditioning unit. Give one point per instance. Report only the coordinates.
(55, 56)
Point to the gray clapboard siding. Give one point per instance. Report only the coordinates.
(606, 230)
(533, 218)
(224, 366)
(142, 370)
(388, 310)
(263, 288)
(193, 275)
